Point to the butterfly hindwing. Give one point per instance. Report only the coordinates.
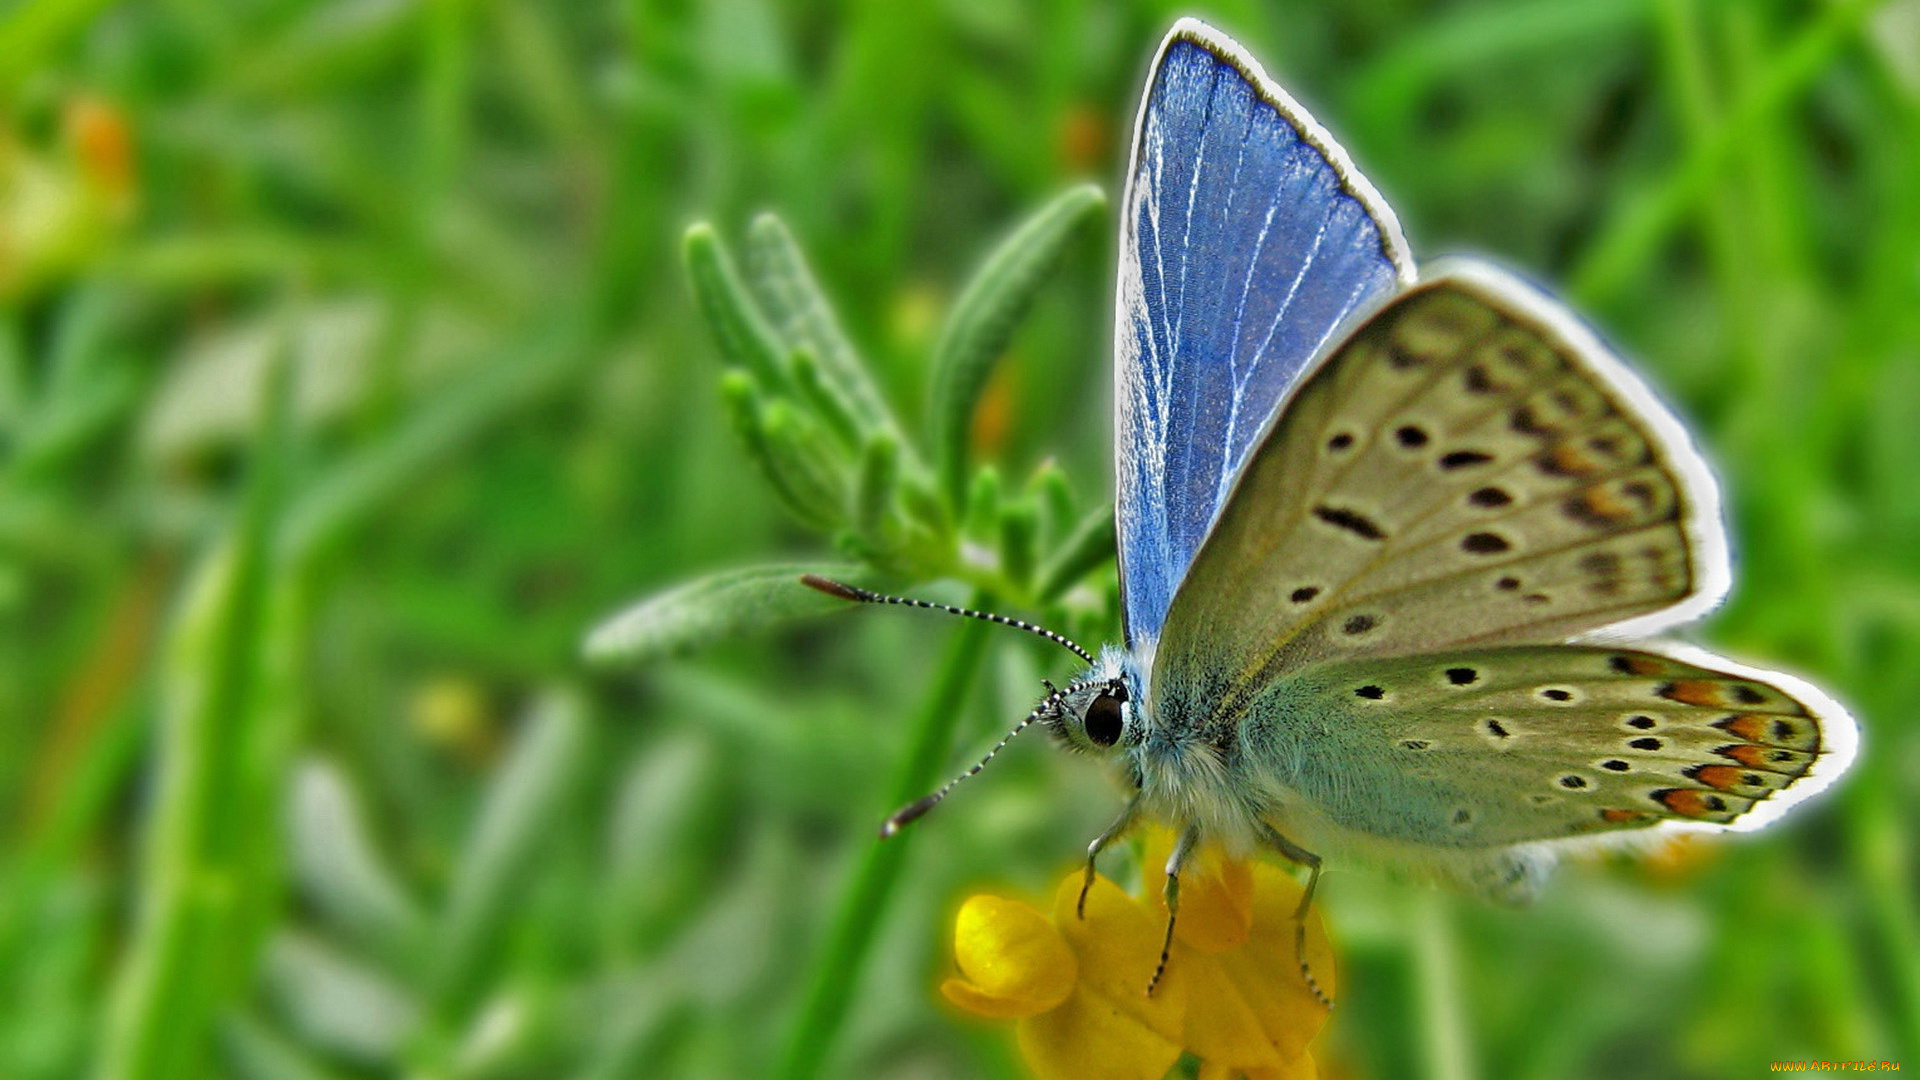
(1246, 240)
(1493, 747)
(1468, 468)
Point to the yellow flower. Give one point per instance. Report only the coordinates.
(1232, 996)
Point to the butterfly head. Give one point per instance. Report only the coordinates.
(1094, 718)
(1099, 713)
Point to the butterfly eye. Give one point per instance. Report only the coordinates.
(1103, 721)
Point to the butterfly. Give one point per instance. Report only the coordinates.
(1392, 540)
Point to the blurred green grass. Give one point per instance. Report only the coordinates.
(334, 631)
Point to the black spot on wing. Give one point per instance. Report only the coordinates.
(1484, 543)
(1461, 459)
(1352, 521)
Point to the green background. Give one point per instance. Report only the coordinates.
(349, 376)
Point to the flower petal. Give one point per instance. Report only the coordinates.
(1013, 961)
(1216, 894)
(1108, 1027)
(1087, 1037)
(1223, 1026)
(976, 1001)
(1118, 945)
(1302, 1068)
(1263, 978)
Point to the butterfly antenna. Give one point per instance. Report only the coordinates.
(866, 596)
(907, 814)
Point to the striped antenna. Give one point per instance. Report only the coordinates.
(907, 814)
(865, 596)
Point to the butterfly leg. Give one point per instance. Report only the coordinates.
(1175, 863)
(1295, 853)
(1113, 832)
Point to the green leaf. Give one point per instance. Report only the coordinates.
(209, 858)
(804, 460)
(783, 445)
(919, 499)
(784, 286)
(339, 866)
(257, 1052)
(1090, 544)
(1019, 524)
(879, 480)
(501, 852)
(666, 830)
(983, 505)
(1052, 494)
(825, 401)
(739, 329)
(336, 1002)
(710, 609)
(639, 1031)
(983, 321)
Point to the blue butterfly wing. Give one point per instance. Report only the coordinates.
(1246, 240)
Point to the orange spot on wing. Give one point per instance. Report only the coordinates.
(1702, 693)
(1609, 505)
(1571, 462)
(1687, 802)
(1753, 757)
(1724, 777)
(1568, 460)
(1642, 666)
(1616, 816)
(1749, 726)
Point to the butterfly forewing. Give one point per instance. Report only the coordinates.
(1508, 745)
(1246, 240)
(1468, 468)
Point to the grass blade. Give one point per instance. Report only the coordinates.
(205, 866)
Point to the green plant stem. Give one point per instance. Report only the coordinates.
(862, 907)
(1444, 1041)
